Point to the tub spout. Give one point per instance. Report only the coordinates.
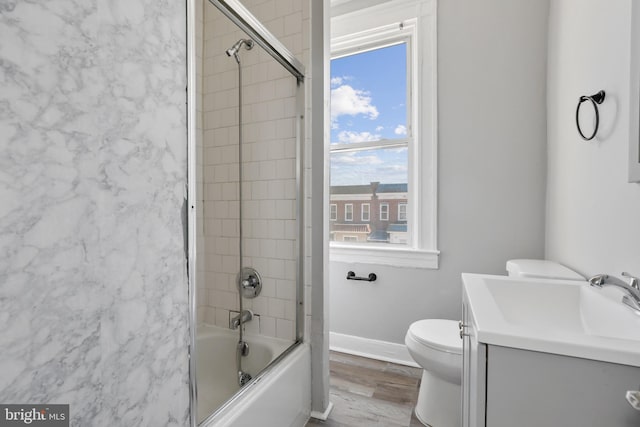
(243, 317)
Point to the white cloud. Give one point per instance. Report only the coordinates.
(379, 128)
(400, 130)
(362, 168)
(349, 137)
(335, 81)
(346, 100)
(355, 159)
(393, 169)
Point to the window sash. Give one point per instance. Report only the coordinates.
(360, 30)
(368, 145)
(406, 141)
(366, 208)
(380, 42)
(333, 214)
(384, 212)
(402, 212)
(348, 212)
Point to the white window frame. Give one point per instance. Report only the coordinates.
(386, 212)
(368, 218)
(414, 20)
(333, 212)
(400, 210)
(347, 210)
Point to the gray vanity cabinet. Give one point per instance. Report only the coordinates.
(529, 388)
(507, 387)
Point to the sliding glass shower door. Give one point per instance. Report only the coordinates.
(248, 205)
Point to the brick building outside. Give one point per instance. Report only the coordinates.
(368, 213)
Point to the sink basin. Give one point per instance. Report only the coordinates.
(561, 317)
(604, 315)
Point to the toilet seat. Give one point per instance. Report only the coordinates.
(438, 334)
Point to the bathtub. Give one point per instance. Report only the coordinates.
(278, 396)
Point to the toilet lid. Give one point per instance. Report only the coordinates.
(440, 334)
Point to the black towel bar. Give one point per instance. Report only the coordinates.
(352, 276)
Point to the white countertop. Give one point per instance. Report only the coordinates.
(563, 317)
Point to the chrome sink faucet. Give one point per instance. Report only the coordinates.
(632, 299)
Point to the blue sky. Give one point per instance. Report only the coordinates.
(368, 102)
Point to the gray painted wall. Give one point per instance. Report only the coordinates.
(492, 169)
(93, 295)
(592, 211)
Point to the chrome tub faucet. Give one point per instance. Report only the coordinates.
(243, 317)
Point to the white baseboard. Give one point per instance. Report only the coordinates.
(373, 349)
(322, 415)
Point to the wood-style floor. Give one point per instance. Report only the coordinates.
(367, 392)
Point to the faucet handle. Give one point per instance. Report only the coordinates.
(633, 280)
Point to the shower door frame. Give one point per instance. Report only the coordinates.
(239, 15)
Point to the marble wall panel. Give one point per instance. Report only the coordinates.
(93, 293)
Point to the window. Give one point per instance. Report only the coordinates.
(366, 212)
(383, 130)
(348, 212)
(384, 212)
(402, 212)
(333, 212)
(350, 238)
(371, 133)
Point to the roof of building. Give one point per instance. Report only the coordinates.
(351, 228)
(397, 228)
(367, 189)
(378, 236)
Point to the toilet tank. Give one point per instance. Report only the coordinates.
(541, 269)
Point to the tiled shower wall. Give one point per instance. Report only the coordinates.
(270, 230)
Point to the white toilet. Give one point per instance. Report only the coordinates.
(436, 346)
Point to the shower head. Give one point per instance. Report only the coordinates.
(233, 50)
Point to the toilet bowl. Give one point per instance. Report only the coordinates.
(436, 346)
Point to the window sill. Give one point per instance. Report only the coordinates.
(394, 257)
